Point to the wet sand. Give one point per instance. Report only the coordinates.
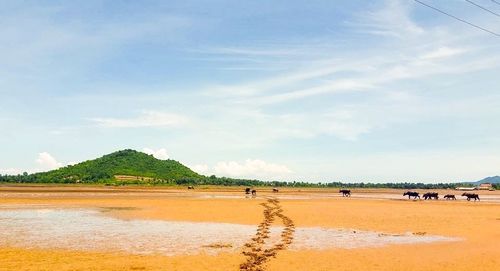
(474, 224)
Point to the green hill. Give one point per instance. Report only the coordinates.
(127, 166)
(493, 179)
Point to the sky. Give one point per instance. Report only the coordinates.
(379, 91)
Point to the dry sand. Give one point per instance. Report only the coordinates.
(477, 224)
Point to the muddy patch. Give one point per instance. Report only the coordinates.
(259, 250)
(92, 230)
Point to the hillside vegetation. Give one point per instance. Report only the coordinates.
(144, 167)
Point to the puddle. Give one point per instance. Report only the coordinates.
(90, 230)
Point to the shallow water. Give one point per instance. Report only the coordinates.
(92, 230)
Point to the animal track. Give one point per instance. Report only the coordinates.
(254, 250)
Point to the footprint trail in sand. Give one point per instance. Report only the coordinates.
(255, 250)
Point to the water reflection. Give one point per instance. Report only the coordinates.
(91, 230)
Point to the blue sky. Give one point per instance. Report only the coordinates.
(276, 90)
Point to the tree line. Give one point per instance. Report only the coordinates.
(225, 181)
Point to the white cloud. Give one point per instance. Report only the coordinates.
(250, 169)
(331, 87)
(443, 52)
(392, 20)
(253, 51)
(201, 169)
(146, 119)
(158, 154)
(377, 79)
(10, 171)
(411, 55)
(44, 162)
(47, 161)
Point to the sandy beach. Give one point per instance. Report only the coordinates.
(383, 230)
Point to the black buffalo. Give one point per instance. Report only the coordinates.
(450, 196)
(430, 195)
(471, 196)
(415, 195)
(345, 192)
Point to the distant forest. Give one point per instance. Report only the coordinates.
(224, 181)
(147, 170)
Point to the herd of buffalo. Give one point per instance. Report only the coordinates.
(415, 195)
(434, 195)
(426, 196)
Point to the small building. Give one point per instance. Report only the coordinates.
(485, 186)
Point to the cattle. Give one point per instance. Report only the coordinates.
(430, 195)
(471, 196)
(415, 195)
(450, 197)
(345, 192)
